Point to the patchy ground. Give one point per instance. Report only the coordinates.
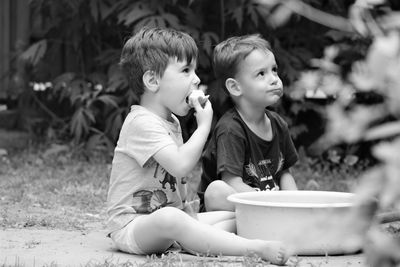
(43, 247)
(40, 247)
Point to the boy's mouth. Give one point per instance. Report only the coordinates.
(278, 91)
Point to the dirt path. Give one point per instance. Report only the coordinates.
(43, 247)
(27, 247)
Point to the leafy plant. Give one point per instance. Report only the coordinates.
(77, 43)
(76, 46)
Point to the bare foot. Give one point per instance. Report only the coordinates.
(292, 262)
(275, 252)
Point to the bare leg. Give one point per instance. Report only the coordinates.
(228, 225)
(224, 220)
(216, 194)
(157, 231)
(213, 217)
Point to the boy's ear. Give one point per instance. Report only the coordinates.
(233, 87)
(150, 81)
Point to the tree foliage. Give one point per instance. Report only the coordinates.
(76, 44)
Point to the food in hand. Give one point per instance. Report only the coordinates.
(197, 94)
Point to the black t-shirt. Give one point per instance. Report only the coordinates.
(234, 148)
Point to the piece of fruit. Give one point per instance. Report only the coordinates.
(197, 94)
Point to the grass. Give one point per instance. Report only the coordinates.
(67, 191)
(320, 174)
(58, 191)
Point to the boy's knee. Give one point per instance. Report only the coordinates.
(216, 193)
(216, 189)
(168, 219)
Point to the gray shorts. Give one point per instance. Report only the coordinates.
(124, 238)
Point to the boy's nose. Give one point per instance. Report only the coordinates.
(275, 79)
(196, 80)
(277, 82)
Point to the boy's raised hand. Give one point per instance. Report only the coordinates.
(202, 106)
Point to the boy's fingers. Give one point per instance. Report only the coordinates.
(203, 100)
(196, 103)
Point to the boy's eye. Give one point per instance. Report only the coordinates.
(186, 70)
(261, 73)
(275, 69)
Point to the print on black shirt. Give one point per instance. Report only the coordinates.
(261, 173)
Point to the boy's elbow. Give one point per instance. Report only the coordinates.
(174, 162)
(181, 170)
(183, 165)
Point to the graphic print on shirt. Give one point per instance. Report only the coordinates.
(160, 172)
(266, 180)
(147, 201)
(262, 172)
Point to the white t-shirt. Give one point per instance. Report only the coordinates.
(138, 184)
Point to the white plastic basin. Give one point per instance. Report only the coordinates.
(311, 222)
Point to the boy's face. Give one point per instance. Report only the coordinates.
(176, 84)
(258, 79)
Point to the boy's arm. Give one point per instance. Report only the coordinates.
(180, 160)
(236, 182)
(287, 181)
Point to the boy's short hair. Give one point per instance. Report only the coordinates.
(152, 49)
(229, 53)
